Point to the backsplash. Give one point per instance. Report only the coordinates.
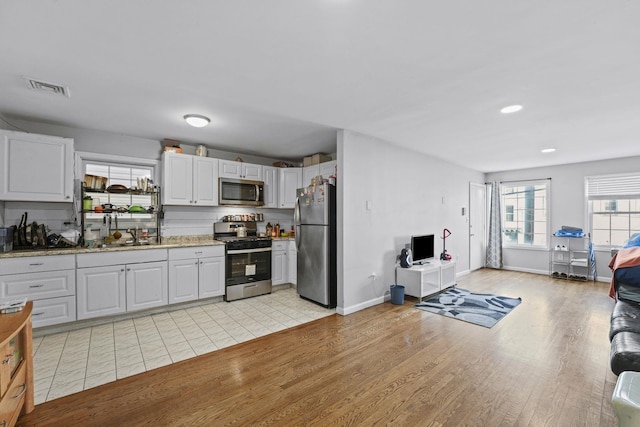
(178, 220)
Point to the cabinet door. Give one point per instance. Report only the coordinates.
(147, 285)
(205, 181)
(35, 167)
(290, 181)
(328, 169)
(53, 311)
(36, 286)
(229, 169)
(252, 172)
(292, 261)
(177, 179)
(100, 291)
(308, 173)
(278, 267)
(183, 280)
(271, 183)
(211, 272)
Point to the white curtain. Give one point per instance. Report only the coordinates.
(494, 245)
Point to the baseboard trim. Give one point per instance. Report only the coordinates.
(344, 311)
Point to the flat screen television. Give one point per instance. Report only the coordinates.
(422, 248)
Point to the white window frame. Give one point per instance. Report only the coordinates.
(624, 186)
(523, 183)
(83, 157)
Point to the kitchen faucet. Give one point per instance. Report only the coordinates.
(134, 233)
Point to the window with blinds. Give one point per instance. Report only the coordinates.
(614, 208)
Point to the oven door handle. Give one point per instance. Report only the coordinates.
(248, 251)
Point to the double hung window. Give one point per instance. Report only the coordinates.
(525, 216)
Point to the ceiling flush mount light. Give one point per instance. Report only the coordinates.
(197, 120)
(511, 109)
(547, 150)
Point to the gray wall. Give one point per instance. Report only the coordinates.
(568, 207)
(407, 193)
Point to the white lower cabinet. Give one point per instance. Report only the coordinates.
(283, 262)
(146, 285)
(196, 272)
(101, 291)
(292, 261)
(279, 269)
(48, 281)
(116, 282)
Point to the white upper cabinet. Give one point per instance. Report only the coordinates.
(290, 181)
(271, 183)
(35, 167)
(189, 180)
(325, 170)
(240, 170)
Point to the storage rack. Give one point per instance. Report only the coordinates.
(569, 258)
(153, 213)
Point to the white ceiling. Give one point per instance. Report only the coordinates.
(278, 78)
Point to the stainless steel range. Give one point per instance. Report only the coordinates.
(248, 259)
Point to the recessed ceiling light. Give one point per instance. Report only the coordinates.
(511, 109)
(197, 120)
(547, 150)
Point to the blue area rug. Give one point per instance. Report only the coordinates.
(480, 309)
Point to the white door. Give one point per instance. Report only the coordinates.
(147, 285)
(205, 181)
(35, 167)
(183, 280)
(177, 179)
(477, 225)
(278, 267)
(230, 169)
(101, 291)
(211, 272)
(252, 172)
(290, 181)
(292, 255)
(270, 175)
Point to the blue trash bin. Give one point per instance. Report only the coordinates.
(397, 294)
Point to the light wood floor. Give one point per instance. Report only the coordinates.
(544, 364)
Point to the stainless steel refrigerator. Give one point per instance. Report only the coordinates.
(315, 221)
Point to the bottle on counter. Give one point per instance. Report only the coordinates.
(277, 230)
(269, 230)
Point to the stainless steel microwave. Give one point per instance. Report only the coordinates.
(240, 192)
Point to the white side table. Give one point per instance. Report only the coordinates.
(427, 279)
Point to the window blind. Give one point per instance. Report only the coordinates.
(609, 187)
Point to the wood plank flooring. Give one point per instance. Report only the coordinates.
(545, 364)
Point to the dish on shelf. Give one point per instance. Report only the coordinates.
(117, 189)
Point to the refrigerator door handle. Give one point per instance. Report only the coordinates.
(296, 221)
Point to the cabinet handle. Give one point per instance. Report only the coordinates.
(122, 269)
(36, 286)
(128, 269)
(40, 313)
(24, 390)
(35, 264)
(198, 252)
(201, 263)
(195, 201)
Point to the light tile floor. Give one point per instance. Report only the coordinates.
(68, 362)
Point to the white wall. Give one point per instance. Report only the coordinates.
(409, 193)
(568, 207)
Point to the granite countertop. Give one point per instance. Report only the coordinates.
(167, 243)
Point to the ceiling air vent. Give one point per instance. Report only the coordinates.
(47, 87)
